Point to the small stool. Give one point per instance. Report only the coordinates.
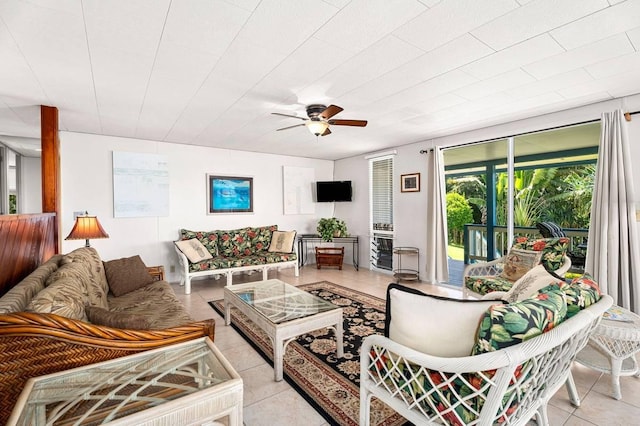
(329, 256)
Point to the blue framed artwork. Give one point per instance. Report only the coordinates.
(229, 194)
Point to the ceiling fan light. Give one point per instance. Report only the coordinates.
(317, 127)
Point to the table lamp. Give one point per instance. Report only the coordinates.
(86, 228)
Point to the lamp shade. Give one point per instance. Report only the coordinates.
(86, 228)
(317, 127)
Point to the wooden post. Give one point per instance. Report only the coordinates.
(51, 167)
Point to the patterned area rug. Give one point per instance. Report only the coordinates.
(331, 385)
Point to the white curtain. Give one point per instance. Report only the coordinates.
(612, 251)
(437, 269)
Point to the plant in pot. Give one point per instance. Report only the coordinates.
(330, 228)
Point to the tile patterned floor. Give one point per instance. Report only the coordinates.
(264, 399)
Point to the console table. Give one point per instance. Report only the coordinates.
(305, 239)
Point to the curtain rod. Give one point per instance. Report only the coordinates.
(627, 116)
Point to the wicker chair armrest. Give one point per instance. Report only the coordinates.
(33, 344)
(494, 295)
(493, 267)
(564, 267)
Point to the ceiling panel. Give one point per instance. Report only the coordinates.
(528, 51)
(532, 19)
(449, 20)
(363, 22)
(586, 55)
(496, 84)
(602, 24)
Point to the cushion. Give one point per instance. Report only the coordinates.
(553, 249)
(506, 325)
(282, 241)
(261, 237)
(194, 250)
(81, 272)
(234, 242)
(581, 293)
(518, 262)
(90, 256)
(66, 297)
(126, 274)
(208, 239)
(550, 230)
(530, 283)
(125, 320)
(434, 325)
(17, 299)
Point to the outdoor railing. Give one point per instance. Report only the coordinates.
(475, 240)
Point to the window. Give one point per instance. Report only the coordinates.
(381, 208)
(382, 193)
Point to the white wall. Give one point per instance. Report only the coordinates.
(30, 185)
(86, 165)
(409, 208)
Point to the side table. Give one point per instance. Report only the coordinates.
(186, 383)
(407, 274)
(612, 346)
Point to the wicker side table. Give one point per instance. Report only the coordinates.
(612, 347)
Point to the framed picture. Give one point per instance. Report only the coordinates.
(410, 182)
(229, 194)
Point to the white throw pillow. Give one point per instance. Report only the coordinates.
(194, 250)
(519, 262)
(529, 284)
(433, 325)
(282, 242)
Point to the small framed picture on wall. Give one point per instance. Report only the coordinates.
(410, 182)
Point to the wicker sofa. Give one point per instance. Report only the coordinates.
(485, 365)
(231, 251)
(45, 320)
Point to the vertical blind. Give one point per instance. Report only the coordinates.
(382, 192)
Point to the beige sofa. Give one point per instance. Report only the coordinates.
(65, 314)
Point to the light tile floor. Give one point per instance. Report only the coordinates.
(275, 403)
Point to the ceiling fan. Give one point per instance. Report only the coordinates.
(320, 119)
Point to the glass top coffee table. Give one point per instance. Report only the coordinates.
(283, 312)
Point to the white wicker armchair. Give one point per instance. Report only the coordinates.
(494, 268)
(510, 385)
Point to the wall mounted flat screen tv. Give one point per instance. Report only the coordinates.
(333, 191)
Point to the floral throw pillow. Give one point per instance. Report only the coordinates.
(581, 293)
(553, 249)
(507, 325)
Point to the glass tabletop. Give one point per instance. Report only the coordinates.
(280, 302)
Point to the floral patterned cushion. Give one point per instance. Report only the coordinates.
(234, 243)
(553, 249)
(507, 325)
(90, 256)
(261, 237)
(275, 257)
(207, 239)
(218, 262)
(487, 284)
(581, 293)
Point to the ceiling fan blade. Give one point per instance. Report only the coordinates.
(357, 123)
(330, 111)
(289, 115)
(290, 127)
(326, 132)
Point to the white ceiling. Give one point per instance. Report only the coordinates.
(207, 72)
